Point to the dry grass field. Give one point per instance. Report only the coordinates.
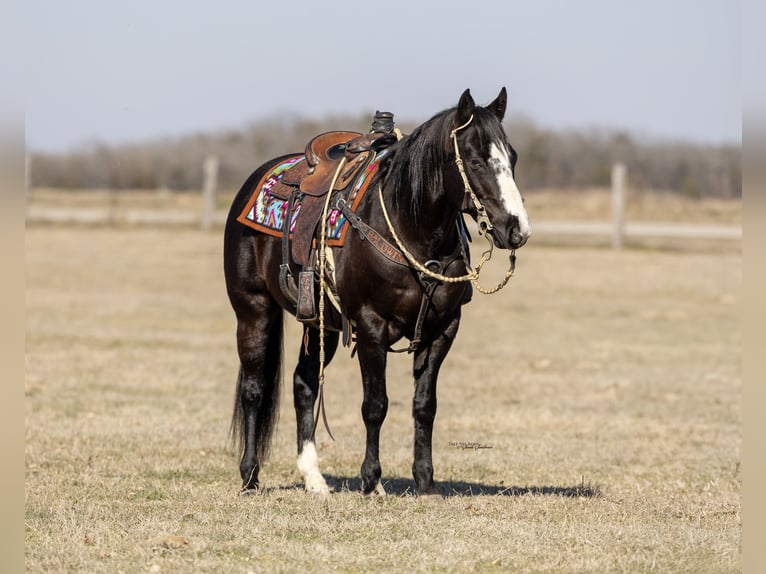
(604, 386)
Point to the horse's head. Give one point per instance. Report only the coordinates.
(488, 162)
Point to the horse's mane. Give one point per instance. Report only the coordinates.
(416, 164)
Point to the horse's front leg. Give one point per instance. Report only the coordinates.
(372, 361)
(305, 389)
(426, 365)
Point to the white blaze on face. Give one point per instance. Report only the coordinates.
(510, 194)
(308, 465)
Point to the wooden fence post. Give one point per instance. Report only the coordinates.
(618, 204)
(209, 185)
(27, 183)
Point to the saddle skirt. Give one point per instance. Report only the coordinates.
(266, 208)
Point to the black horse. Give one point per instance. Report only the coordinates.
(457, 162)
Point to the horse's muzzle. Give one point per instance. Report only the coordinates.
(517, 239)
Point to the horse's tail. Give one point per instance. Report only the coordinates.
(268, 413)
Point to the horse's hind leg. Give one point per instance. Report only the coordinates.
(259, 343)
(305, 389)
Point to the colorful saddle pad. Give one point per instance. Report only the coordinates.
(265, 212)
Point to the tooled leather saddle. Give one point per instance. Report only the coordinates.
(297, 191)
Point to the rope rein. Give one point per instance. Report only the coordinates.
(322, 266)
(472, 275)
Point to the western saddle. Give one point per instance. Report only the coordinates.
(310, 181)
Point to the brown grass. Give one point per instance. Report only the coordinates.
(607, 385)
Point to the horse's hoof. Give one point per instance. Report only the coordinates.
(315, 484)
(255, 491)
(431, 491)
(319, 491)
(378, 491)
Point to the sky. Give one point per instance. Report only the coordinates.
(132, 71)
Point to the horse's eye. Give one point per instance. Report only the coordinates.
(476, 163)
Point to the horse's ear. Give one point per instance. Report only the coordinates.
(465, 108)
(498, 105)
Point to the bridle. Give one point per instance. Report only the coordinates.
(485, 230)
(482, 219)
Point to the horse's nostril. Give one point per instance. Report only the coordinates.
(517, 239)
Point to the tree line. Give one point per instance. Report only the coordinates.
(547, 158)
